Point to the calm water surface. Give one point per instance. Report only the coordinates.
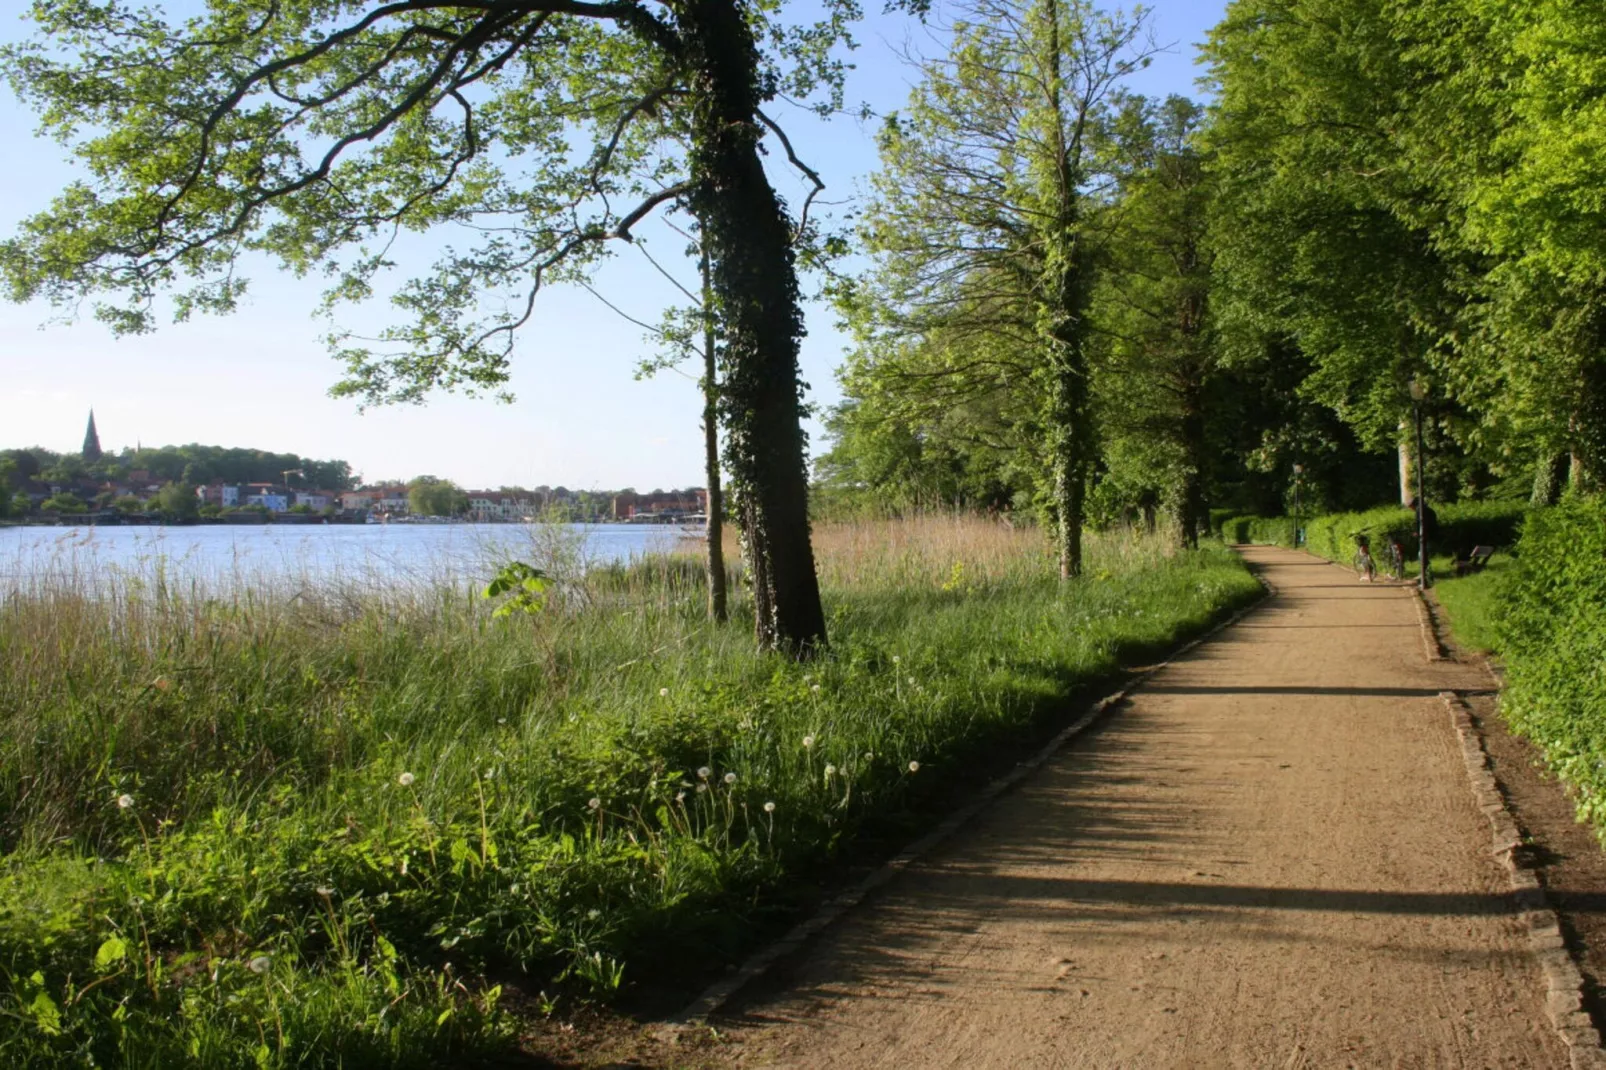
(361, 553)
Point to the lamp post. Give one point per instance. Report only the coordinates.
(1299, 470)
(1417, 394)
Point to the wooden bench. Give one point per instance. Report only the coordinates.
(1474, 561)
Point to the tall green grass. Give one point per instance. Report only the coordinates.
(250, 826)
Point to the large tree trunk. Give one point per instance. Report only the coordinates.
(750, 247)
(714, 506)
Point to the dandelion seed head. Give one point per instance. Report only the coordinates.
(769, 808)
(593, 913)
(815, 688)
(595, 803)
(260, 964)
(703, 772)
(406, 780)
(701, 788)
(124, 801)
(911, 681)
(808, 741)
(663, 692)
(730, 778)
(325, 891)
(830, 770)
(896, 659)
(914, 767)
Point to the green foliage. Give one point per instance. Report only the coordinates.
(1332, 535)
(1552, 638)
(65, 502)
(429, 496)
(177, 501)
(523, 584)
(361, 789)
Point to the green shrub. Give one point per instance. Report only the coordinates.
(1553, 638)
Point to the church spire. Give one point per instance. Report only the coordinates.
(91, 440)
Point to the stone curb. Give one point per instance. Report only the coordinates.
(1563, 981)
(716, 996)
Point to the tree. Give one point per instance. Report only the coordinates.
(65, 502)
(314, 131)
(176, 501)
(983, 220)
(429, 496)
(1152, 304)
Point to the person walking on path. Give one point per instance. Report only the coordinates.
(1268, 856)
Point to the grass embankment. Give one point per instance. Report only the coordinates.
(268, 827)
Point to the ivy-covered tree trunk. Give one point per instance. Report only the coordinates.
(1068, 440)
(751, 262)
(1062, 287)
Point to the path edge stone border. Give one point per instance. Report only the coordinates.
(1563, 981)
(718, 995)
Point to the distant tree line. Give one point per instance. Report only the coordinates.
(194, 464)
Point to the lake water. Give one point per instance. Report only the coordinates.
(349, 553)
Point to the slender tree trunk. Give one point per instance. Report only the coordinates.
(1407, 488)
(1194, 514)
(714, 507)
(749, 240)
(1068, 406)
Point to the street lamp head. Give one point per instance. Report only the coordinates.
(1417, 391)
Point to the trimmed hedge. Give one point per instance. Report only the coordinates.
(1552, 636)
(1332, 535)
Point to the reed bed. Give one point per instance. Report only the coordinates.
(269, 826)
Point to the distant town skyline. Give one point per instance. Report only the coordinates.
(259, 378)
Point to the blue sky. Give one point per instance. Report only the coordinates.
(260, 377)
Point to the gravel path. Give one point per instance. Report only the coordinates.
(1269, 857)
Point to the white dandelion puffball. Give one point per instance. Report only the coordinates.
(911, 681)
(595, 803)
(869, 756)
(406, 780)
(814, 688)
(325, 891)
(593, 913)
(701, 788)
(124, 801)
(808, 741)
(663, 692)
(830, 770)
(914, 767)
(896, 660)
(769, 808)
(730, 778)
(703, 772)
(260, 964)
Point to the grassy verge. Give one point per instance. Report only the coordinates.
(260, 827)
(1472, 604)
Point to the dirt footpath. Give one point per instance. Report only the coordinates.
(1268, 858)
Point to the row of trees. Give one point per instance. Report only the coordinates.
(1075, 288)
